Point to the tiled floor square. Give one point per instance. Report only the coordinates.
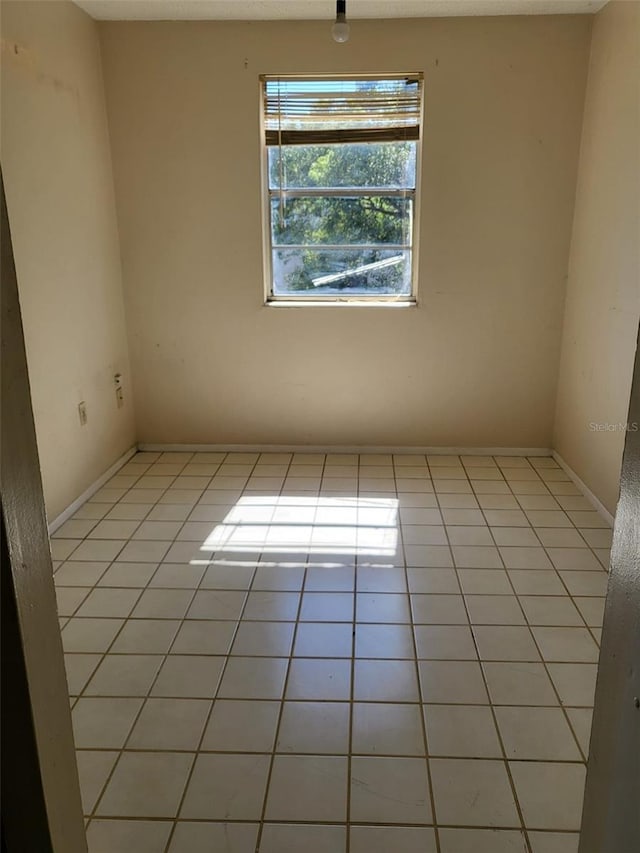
(469, 535)
(550, 794)
(263, 639)
(387, 729)
(472, 793)
(554, 842)
(69, 599)
(580, 719)
(227, 577)
(124, 675)
(241, 726)
(476, 557)
(536, 583)
(379, 579)
(494, 610)
(433, 581)
(292, 838)
(203, 837)
(385, 681)
(591, 610)
(525, 558)
(99, 550)
(162, 604)
(444, 642)
(537, 734)
(482, 841)
(179, 576)
(439, 610)
(109, 602)
(170, 724)
(143, 551)
(289, 579)
(307, 788)
(326, 607)
(382, 607)
(559, 537)
(204, 637)
(519, 537)
(575, 682)
(279, 606)
(314, 728)
(134, 575)
(574, 558)
(103, 723)
(318, 679)
(549, 610)
(79, 573)
(226, 787)
(484, 582)
(79, 669)
(94, 768)
(319, 639)
(498, 642)
(189, 676)
(566, 644)
(390, 790)
(146, 784)
(216, 604)
(121, 836)
(428, 556)
(382, 839)
(461, 730)
(519, 683)
(253, 678)
(384, 641)
(452, 682)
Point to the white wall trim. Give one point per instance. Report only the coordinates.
(312, 448)
(586, 491)
(90, 492)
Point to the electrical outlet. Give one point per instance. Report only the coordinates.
(82, 413)
(117, 381)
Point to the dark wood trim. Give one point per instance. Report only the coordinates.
(611, 813)
(41, 809)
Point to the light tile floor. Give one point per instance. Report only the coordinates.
(332, 653)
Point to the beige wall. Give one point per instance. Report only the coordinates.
(603, 292)
(58, 180)
(475, 364)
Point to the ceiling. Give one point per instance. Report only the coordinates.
(264, 10)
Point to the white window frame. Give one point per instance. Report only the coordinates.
(378, 300)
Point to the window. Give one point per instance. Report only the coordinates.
(341, 163)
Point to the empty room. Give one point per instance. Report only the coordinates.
(320, 426)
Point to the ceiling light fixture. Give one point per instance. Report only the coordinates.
(340, 29)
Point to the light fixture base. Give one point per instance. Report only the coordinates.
(340, 29)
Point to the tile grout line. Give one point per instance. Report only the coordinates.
(352, 674)
(285, 683)
(505, 760)
(198, 749)
(544, 664)
(121, 750)
(421, 705)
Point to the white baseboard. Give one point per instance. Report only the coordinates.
(307, 448)
(90, 492)
(586, 491)
(312, 448)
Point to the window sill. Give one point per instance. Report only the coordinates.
(341, 303)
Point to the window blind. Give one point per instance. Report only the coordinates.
(321, 112)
